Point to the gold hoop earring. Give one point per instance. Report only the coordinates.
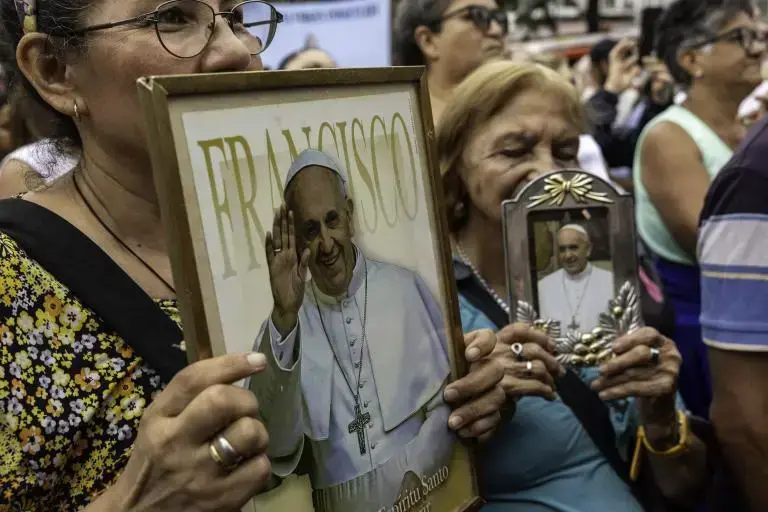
(77, 112)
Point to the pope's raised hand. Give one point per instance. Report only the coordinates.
(287, 271)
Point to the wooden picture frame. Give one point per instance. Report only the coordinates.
(221, 146)
(571, 263)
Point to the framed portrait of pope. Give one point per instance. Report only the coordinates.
(305, 212)
(570, 251)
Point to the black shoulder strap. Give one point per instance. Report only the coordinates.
(590, 410)
(97, 282)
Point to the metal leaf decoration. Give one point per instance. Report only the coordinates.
(557, 188)
(565, 346)
(527, 315)
(623, 315)
(576, 348)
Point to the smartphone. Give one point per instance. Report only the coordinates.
(649, 22)
(631, 54)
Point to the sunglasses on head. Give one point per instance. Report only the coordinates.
(482, 17)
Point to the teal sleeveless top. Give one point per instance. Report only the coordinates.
(715, 153)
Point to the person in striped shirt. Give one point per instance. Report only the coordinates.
(733, 254)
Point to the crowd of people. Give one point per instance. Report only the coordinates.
(676, 421)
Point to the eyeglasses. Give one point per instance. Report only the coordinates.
(752, 41)
(482, 17)
(185, 27)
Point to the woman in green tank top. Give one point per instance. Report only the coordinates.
(715, 49)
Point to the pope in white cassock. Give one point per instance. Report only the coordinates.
(577, 293)
(359, 353)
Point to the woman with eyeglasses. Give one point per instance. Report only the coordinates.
(98, 408)
(451, 38)
(715, 49)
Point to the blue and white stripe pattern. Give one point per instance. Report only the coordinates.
(733, 255)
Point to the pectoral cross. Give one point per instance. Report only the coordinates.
(358, 425)
(574, 325)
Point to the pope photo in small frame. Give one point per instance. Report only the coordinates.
(571, 261)
(304, 212)
(574, 267)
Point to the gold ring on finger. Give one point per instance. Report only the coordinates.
(224, 453)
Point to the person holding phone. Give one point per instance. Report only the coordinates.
(642, 87)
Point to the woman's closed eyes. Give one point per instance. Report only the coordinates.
(523, 145)
(561, 151)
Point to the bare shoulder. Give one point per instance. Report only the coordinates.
(666, 138)
(667, 149)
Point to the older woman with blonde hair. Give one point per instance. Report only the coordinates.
(566, 445)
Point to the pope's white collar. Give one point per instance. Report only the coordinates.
(581, 275)
(358, 279)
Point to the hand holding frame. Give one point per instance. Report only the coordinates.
(532, 370)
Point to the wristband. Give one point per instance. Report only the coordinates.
(643, 443)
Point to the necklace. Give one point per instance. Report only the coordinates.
(501, 302)
(574, 325)
(119, 240)
(358, 424)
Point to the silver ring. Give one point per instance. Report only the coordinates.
(278, 250)
(655, 353)
(529, 368)
(224, 453)
(517, 349)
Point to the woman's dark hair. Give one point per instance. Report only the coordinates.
(59, 19)
(410, 15)
(688, 22)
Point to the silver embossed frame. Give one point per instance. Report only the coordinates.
(558, 193)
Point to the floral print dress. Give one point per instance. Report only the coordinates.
(72, 392)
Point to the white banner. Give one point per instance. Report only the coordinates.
(355, 33)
